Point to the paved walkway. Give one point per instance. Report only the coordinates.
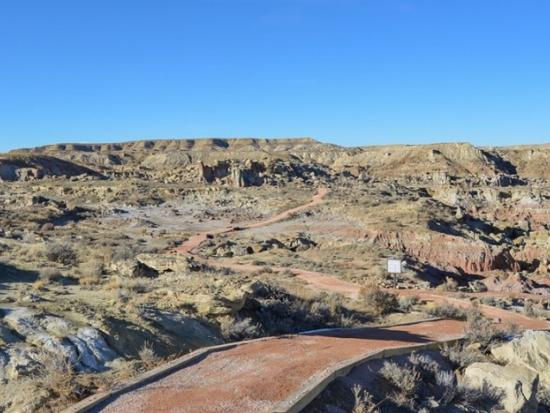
(254, 377)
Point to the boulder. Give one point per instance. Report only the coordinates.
(231, 249)
(531, 350)
(133, 268)
(227, 301)
(301, 243)
(190, 332)
(85, 347)
(21, 362)
(516, 384)
(94, 353)
(270, 244)
(162, 263)
(517, 283)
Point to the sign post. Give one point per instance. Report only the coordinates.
(394, 268)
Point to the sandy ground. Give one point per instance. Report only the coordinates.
(255, 376)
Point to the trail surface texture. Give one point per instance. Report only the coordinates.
(254, 377)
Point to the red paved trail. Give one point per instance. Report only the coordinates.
(254, 377)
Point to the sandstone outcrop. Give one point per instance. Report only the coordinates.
(84, 347)
(133, 268)
(516, 283)
(516, 384)
(163, 263)
(530, 350)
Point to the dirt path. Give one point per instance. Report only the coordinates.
(254, 377)
(325, 282)
(193, 242)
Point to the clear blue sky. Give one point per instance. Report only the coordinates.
(352, 72)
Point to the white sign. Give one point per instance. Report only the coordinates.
(394, 266)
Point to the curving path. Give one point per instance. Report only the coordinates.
(255, 376)
(194, 241)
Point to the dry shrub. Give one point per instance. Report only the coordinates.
(123, 254)
(478, 328)
(461, 355)
(377, 301)
(138, 285)
(148, 357)
(50, 275)
(91, 272)
(407, 304)
(39, 285)
(449, 285)
(446, 383)
(236, 330)
(363, 401)
(448, 311)
(404, 381)
(48, 226)
(57, 375)
(114, 283)
(62, 254)
(486, 398)
(125, 370)
(20, 293)
(529, 309)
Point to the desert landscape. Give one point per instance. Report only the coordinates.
(118, 260)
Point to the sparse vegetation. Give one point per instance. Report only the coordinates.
(462, 355)
(479, 329)
(275, 310)
(363, 401)
(61, 253)
(236, 330)
(447, 311)
(148, 357)
(450, 285)
(50, 275)
(404, 381)
(407, 303)
(377, 301)
(94, 267)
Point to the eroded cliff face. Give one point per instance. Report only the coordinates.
(439, 163)
(450, 253)
(29, 168)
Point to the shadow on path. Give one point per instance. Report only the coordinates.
(375, 333)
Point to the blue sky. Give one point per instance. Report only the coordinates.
(351, 72)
